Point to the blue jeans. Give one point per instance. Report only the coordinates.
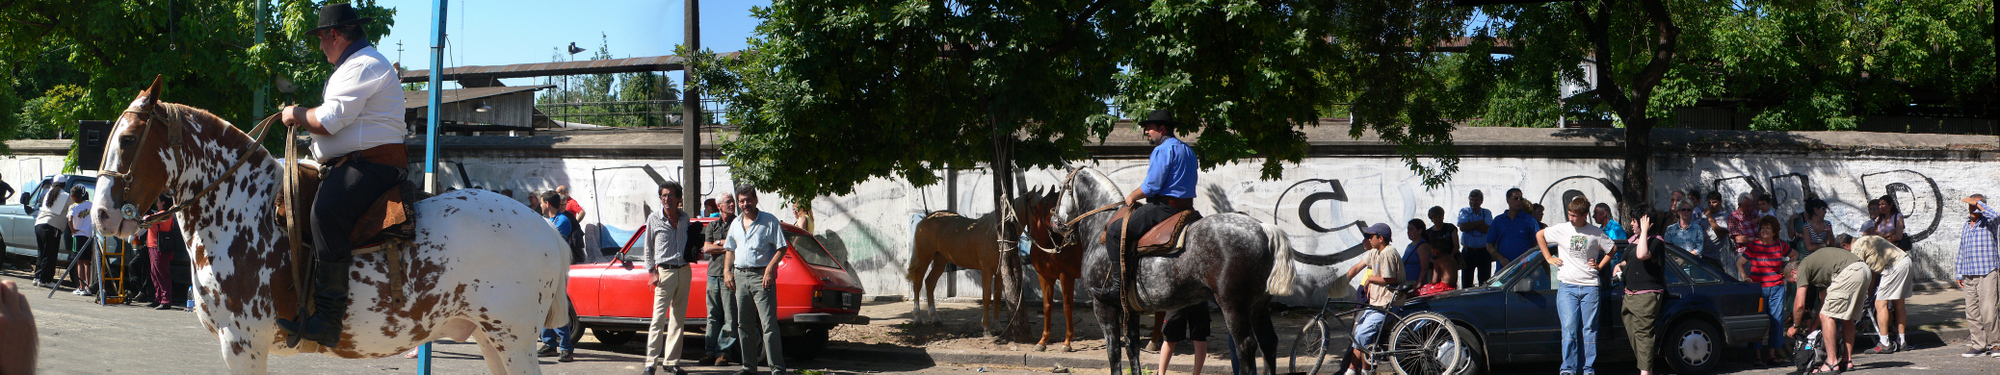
(720, 334)
(559, 337)
(1576, 305)
(1367, 328)
(1775, 304)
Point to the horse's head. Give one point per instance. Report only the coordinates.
(1084, 191)
(136, 163)
(1035, 217)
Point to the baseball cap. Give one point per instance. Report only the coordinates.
(1378, 229)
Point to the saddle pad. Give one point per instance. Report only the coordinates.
(388, 210)
(1166, 237)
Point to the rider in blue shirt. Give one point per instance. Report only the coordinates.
(1168, 190)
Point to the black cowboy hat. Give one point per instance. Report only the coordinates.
(1162, 117)
(335, 15)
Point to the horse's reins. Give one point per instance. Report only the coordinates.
(174, 140)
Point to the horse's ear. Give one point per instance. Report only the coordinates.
(152, 93)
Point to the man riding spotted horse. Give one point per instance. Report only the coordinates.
(357, 134)
(1169, 191)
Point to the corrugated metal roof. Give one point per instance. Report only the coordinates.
(421, 98)
(625, 65)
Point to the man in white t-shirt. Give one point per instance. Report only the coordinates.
(1582, 248)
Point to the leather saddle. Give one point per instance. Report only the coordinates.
(1168, 237)
(390, 217)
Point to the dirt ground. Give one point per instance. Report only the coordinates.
(960, 330)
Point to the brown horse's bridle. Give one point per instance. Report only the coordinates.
(152, 116)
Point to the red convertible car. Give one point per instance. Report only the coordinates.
(815, 293)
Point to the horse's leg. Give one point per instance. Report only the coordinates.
(510, 349)
(1068, 302)
(1108, 322)
(1267, 341)
(1240, 338)
(1048, 311)
(987, 281)
(920, 264)
(930, 290)
(1131, 349)
(243, 352)
(487, 350)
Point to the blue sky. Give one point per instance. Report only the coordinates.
(501, 32)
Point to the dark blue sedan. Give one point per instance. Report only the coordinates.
(1513, 317)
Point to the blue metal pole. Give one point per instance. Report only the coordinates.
(430, 134)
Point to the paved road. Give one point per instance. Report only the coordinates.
(78, 336)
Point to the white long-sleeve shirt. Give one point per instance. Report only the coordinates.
(363, 106)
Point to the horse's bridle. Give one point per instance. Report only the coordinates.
(174, 134)
(1068, 229)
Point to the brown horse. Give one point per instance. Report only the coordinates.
(946, 237)
(1055, 265)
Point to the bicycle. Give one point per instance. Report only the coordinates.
(1421, 343)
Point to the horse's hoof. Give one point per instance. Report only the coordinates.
(1041, 348)
(1067, 349)
(1153, 347)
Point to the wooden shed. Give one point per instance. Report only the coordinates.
(494, 108)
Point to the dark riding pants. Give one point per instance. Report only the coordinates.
(49, 241)
(1143, 219)
(344, 195)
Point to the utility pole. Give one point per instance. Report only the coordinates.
(430, 133)
(691, 114)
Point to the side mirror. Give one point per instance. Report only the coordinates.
(1521, 287)
(627, 263)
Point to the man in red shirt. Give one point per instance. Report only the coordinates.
(569, 203)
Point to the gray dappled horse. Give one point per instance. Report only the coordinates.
(1229, 258)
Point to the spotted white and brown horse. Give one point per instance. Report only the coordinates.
(480, 262)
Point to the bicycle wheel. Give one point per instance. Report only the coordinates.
(1310, 347)
(1426, 343)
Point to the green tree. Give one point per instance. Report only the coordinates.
(86, 59)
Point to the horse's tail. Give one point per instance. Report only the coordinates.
(1282, 271)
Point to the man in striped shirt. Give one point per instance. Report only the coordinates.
(1977, 258)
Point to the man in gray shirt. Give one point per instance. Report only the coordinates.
(721, 330)
(666, 249)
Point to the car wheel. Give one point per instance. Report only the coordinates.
(613, 338)
(808, 346)
(1473, 352)
(1693, 347)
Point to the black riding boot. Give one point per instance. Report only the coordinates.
(330, 302)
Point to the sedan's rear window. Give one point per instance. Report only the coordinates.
(810, 250)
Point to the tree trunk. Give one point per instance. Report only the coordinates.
(1011, 292)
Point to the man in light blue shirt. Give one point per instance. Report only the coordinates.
(1473, 223)
(756, 242)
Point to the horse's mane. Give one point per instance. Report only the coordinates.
(207, 118)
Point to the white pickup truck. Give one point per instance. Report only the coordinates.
(17, 218)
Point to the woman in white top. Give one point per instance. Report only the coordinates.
(79, 226)
(1582, 248)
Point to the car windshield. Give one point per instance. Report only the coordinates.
(810, 250)
(1506, 274)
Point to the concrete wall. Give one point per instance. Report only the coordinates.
(871, 228)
